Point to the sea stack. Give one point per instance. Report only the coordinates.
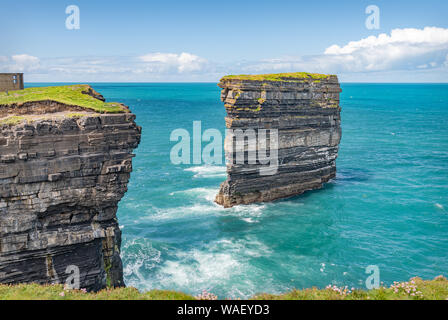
(302, 110)
(65, 161)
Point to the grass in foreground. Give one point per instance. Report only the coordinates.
(69, 95)
(415, 289)
(57, 292)
(279, 76)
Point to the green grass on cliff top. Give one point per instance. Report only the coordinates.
(57, 292)
(279, 76)
(415, 289)
(69, 95)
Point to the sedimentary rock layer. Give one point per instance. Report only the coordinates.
(304, 108)
(61, 178)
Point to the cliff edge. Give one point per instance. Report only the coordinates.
(301, 113)
(65, 161)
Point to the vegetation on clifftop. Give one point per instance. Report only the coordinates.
(74, 95)
(414, 289)
(13, 120)
(57, 292)
(292, 76)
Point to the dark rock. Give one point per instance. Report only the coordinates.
(306, 114)
(58, 208)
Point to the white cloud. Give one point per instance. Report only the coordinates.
(184, 62)
(19, 63)
(403, 49)
(398, 56)
(25, 62)
(153, 64)
(88, 65)
(429, 38)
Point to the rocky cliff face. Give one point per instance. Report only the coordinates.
(304, 110)
(62, 175)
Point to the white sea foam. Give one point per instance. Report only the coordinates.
(200, 269)
(322, 269)
(204, 267)
(174, 213)
(208, 266)
(438, 205)
(138, 257)
(248, 246)
(248, 213)
(208, 194)
(204, 205)
(208, 171)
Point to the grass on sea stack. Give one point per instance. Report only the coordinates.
(292, 76)
(69, 95)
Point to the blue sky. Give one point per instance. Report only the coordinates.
(203, 40)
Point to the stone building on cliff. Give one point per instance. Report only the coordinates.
(11, 81)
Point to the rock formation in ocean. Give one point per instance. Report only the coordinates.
(302, 111)
(64, 166)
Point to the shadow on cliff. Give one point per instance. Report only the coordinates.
(344, 176)
(352, 175)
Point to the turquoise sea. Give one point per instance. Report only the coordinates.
(387, 207)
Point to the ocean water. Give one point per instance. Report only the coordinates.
(388, 205)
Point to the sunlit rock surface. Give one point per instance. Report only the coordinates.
(61, 178)
(304, 108)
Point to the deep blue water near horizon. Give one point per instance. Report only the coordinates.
(388, 205)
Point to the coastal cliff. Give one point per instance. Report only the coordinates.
(303, 109)
(65, 161)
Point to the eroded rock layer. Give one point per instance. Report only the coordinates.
(61, 179)
(305, 111)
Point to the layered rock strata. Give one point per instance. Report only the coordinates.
(62, 175)
(303, 109)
